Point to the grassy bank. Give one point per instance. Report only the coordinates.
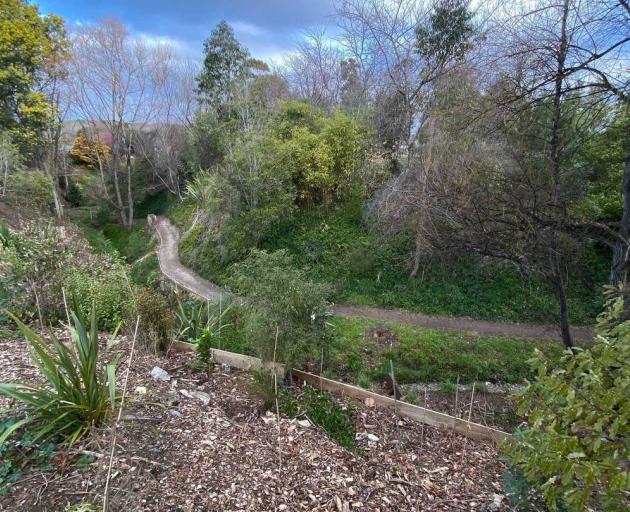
(362, 349)
(337, 248)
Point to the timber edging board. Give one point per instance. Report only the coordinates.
(414, 412)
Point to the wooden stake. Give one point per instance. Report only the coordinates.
(275, 390)
(39, 309)
(65, 304)
(120, 410)
(457, 398)
(472, 399)
(394, 389)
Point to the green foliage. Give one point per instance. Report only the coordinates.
(426, 355)
(576, 446)
(157, 319)
(130, 244)
(157, 204)
(182, 213)
(224, 63)
(323, 410)
(30, 45)
(15, 456)
(202, 324)
(206, 141)
(288, 311)
(324, 154)
(241, 199)
(449, 33)
(31, 189)
(336, 247)
(603, 158)
(79, 390)
(105, 285)
(32, 265)
(146, 272)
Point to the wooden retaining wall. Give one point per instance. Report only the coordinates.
(414, 412)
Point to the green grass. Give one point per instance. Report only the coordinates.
(426, 355)
(336, 247)
(133, 244)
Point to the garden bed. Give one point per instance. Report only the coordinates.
(229, 455)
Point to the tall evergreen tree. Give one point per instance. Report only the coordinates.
(226, 60)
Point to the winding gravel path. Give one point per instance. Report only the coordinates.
(197, 285)
(172, 268)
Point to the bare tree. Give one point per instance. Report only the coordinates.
(314, 72)
(507, 192)
(116, 85)
(161, 144)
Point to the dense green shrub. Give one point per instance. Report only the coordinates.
(157, 319)
(576, 447)
(104, 283)
(323, 410)
(79, 389)
(324, 154)
(287, 312)
(32, 264)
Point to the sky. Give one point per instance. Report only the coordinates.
(269, 28)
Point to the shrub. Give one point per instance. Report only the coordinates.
(32, 189)
(102, 282)
(32, 262)
(323, 410)
(78, 392)
(156, 319)
(283, 304)
(576, 447)
(200, 323)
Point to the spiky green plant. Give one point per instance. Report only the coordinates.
(78, 392)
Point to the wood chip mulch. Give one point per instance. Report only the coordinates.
(176, 453)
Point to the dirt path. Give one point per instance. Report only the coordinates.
(172, 268)
(194, 283)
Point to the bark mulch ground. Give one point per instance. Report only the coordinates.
(200, 443)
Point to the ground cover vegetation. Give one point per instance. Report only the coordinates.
(435, 156)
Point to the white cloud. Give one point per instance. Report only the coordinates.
(158, 40)
(244, 28)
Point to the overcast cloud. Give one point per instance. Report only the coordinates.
(269, 28)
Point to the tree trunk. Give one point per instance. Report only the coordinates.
(416, 257)
(119, 201)
(57, 199)
(621, 256)
(555, 258)
(129, 189)
(555, 264)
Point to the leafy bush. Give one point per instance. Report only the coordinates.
(323, 410)
(287, 311)
(32, 263)
(324, 154)
(78, 392)
(103, 283)
(156, 319)
(576, 449)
